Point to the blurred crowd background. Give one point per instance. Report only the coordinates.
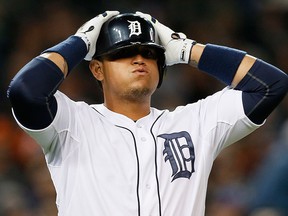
(249, 178)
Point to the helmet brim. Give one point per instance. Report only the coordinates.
(158, 47)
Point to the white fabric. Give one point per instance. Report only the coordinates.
(103, 163)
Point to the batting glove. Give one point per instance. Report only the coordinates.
(89, 31)
(178, 47)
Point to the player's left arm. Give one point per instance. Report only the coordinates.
(263, 85)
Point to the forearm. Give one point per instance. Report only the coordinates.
(58, 60)
(242, 70)
(196, 53)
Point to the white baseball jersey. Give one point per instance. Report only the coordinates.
(103, 163)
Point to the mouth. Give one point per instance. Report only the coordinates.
(140, 70)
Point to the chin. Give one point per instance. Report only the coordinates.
(139, 92)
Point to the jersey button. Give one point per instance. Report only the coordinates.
(148, 186)
(143, 139)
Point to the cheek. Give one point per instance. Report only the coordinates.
(113, 72)
(155, 73)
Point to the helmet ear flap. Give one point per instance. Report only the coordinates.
(162, 69)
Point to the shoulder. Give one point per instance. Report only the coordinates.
(224, 101)
(66, 102)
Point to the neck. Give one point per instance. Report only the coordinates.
(133, 109)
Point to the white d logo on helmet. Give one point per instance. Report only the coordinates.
(135, 28)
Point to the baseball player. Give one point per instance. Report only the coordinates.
(124, 157)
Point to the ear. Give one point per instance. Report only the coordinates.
(96, 67)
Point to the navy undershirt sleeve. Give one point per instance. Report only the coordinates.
(263, 87)
(31, 93)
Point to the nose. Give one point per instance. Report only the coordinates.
(138, 59)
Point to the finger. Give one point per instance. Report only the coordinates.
(147, 16)
(108, 14)
(178, 35)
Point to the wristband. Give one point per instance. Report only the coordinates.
(221, 62)
(73, 50)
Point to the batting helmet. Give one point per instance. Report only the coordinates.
(127, 30)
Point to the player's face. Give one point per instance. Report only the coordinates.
(129, 74)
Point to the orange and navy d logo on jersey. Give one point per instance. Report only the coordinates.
(179, 151)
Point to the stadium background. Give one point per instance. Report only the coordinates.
(249, 178)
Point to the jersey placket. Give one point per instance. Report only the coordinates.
(147, 182)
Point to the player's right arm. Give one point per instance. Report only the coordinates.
(31, 91)
(58, 60)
